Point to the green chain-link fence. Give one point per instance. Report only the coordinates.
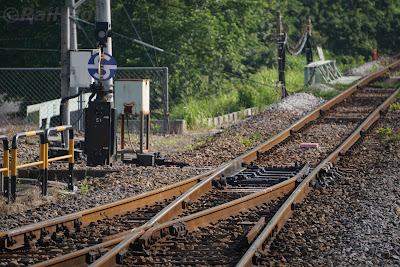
(37, 91)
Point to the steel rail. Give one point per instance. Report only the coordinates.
(253, 154)
(168, 213)
(81, 257)
(262, 243)
(202, 218)
(247, 158)
(15, 238)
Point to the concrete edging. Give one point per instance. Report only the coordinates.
(231, 117)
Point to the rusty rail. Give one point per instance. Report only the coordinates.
(194, 221)
(15, 238)
(111, 257)
(113, 209)
(261, 244)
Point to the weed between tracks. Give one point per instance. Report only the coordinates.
(387, 135)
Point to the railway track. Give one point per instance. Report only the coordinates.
(210, 212)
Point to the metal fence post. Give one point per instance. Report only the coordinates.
(166, 104)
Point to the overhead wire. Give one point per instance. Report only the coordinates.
(151, 30)
(137, 33)
(184, 58)
(84, 32)
(29, 49)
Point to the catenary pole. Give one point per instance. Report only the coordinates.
(103, 14)
(65, 46)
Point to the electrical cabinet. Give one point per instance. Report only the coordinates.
(132, 96)
(78, 62)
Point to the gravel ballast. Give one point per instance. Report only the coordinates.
(204, 153)
(352, 222)
(356, 221)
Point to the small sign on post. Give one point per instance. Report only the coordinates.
(109, 67)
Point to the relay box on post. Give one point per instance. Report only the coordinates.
(100, 145)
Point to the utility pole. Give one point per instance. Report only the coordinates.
(308, 48)
(280, 36)
(65, 46)
(103, 14)
(74, 46)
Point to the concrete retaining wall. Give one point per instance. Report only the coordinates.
(156, 126)
(231, 117)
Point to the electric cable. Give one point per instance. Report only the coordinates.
(183, 58)
(84, 32)
(300, 39)
(29, 49)
(151, 31)
(298, 51)
(137, 33)
(80, 116)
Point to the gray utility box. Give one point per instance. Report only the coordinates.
(320, 72)
(132, 96)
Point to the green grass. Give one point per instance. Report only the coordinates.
(245, 141)
(84, 187)
(203, 141)
(384, 132)
(258, 91)
(251, 140)
(155, 127)
(387, 85)
(325, 94)
(238, 95)
(393, 138)
(394, 106)
(170, 141)
(387, 135)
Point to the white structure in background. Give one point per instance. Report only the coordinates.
(41, 114)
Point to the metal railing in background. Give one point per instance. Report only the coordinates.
(37, 90)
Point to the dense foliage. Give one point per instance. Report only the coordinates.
(207, 37)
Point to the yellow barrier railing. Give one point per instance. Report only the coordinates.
(14, 159)
(6, 164)
(70, 155)
(43, 159)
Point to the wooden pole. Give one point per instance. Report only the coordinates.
(280, 36)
